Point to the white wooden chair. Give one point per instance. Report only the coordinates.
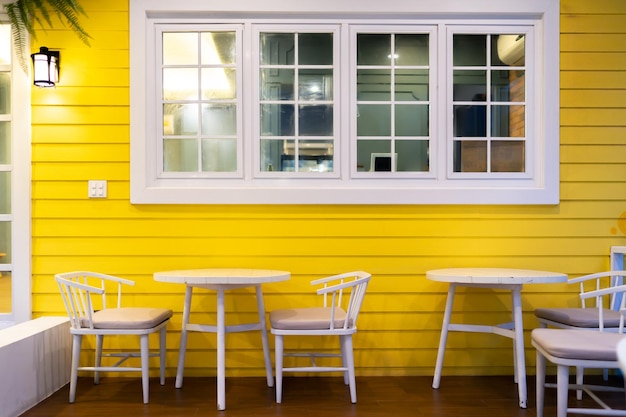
(94, 304)
(343, 295)
(588, 316)
(581, 349)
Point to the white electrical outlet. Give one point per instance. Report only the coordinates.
(97, 188)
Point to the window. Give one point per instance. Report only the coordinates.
(271, 104)
(15, 253)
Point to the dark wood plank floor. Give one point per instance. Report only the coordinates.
(304, 397)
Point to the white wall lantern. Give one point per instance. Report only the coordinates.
(45, 67)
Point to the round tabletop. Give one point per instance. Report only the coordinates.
(495, 276)
(222, 276)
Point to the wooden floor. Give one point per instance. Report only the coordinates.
(304, 397)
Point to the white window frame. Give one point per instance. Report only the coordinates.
(541, 186)
(20, 216)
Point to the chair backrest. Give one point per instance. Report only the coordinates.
(346, 291)
(599, 281)
(601, 294)
(77, 289)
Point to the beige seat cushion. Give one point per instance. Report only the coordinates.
(578, 344)
(314, 318)
(579, 317)
(130, 317)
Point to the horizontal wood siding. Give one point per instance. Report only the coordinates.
(81, 132)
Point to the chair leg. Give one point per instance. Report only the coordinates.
(279, 347)
(76, 343)
(346, 346)
(99, 343)
(162, 351)
(562, 388)
(145, 356)
(580, 373)
(541, 383)
(344, 362)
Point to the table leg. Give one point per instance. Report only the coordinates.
(221, 354)
(444, 336)
(520, 361)
(183, 338)
(264, 338)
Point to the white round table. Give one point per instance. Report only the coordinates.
(221, 280)
(496, 278)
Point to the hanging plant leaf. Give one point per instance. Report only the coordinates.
(26, 15)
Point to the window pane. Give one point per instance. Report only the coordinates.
(411, 120)
(411, 85)
(219, 83)
(5, 93)
(412, 155)
(277, 120)
(470, 156)
(277, 84)
(5, 192)
(374, 120)
(470, 121)
(507, 156)
(469, 85)
(5, 44)
(508, 50)
(369, 150)
(180, 155)
(411, 49)
(5, 143)
(315, 84)
(180, 119)
(508, 85)
(277, 48)
(315, 49)
(315, 120)
(180, 84)
(507, 121)
(219, 155)
(180, 48)
(219, 119)
(218, 48)
(373, 84)
(315, 156)
(373, 49)
(469, 50)
(274, 155)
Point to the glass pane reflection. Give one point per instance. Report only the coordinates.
(470, 156)
(315, 120)
(374, 120)
(5, 192)
(373, 49)
(219, 155)
(411, 49)
(180, 119)
(411, 120)
(180, 48)
(5, 143)
(315, 48)
(180, 155)
(277, 84)
(219, 119)
(277, 120)
(507, 156)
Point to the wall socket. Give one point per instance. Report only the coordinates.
(97, 189)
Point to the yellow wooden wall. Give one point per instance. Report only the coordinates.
(81, 132)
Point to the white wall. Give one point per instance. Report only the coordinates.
(34, 362)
